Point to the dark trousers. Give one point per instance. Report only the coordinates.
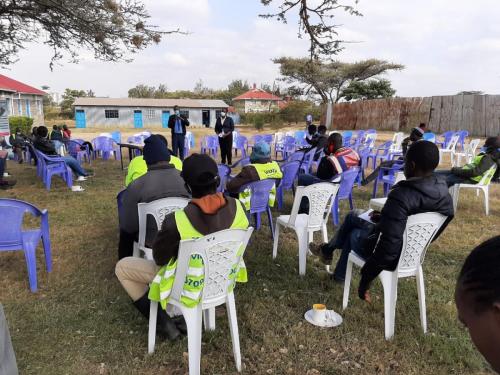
(350, 236)
(226, 149)
(3, 162)
(452, 179)
(126, 244)
(178, 145)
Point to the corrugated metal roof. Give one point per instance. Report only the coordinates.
(9, 84)
(257, 94)
(140, 102)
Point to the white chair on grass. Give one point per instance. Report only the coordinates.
(450, 149)
(397, 140)
(419, 232)
(157, 209)
(483, 185)
(321, 197)
(219, 253)
(468, 154)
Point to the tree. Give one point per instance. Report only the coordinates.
(472, 92)
(111, 29)
(328, 79)
(372, 89)
(68, 98)
(315, 20)
(142, 91)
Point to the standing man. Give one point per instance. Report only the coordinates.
(224, 127)
(177, 124)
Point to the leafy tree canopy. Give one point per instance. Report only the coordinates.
(68, 98)
(371, 89)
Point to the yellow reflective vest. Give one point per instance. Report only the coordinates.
(161, 287)
(138, 168)
(476, 162)
(265, 171)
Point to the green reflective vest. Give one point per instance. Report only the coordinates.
(476, 162)
(138, 168)
(265, 171)
(161, 287)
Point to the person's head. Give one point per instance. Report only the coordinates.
(322, 129)
(155, 151)
(34, 131)
(261, 153)
(335, 142)
(477, 297)
(162, 137)
(54, 127)
(176, 110)
(201, 175)
(312, 129)
(18, 130)
(421, 159)
(42, 131)
(65, 127)
(492, 144)
(423, 126)
(223, 113)
(416, 134)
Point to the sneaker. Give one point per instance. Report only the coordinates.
(4, 184)
(5, 174)
(81, 178)
(317, 250)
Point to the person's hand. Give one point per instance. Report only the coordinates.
(375, 216)
(364, 294)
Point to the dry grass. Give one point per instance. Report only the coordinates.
(81, 321)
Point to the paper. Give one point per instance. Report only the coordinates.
(366, 216)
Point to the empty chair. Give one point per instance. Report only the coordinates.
(388, 173)
(307, 160)
(260, 192)
(346, 136)
(468, 154)
(287, 148)
(268, 138)
(209, 144)
(224, 173)
(241, 143)
(381, 153)
(299, 136)
(105, 146)
(368, 140)
(462, 135)
(290, 170)
(117, 137)
(13, 237)
(347, 179)
(254, 140)
(449, 149)
(363, 157)
(444, 139)
(419, 232)
(320, 196)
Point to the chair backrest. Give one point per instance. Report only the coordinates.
(279, 138)
(290, 170)
(241, 141)
(103, 143)
(348, 178)
(220, 252)
(11, 216)
(385, 147)
(369, 140)
(447, 137)
(242, 162)
(308, 159)
(260, 191)
(256, 138)
(397, 140)
(320, 196)
(419, 232)
(296, 156)
(431, 137)
(363, 156)
(73, 147)
(453, 142)
(488, 176)
(299, 136)
(224, 172)
(472, 147)
(158, 209)
(268, 138)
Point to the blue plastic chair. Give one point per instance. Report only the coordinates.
(259, 201)
(446, 138)
(290, 171)
(224, 173)
(80, 153)
(307, 161)
(268, 138)
(431, 137)
(462, 134)
(15, 238)
(286, 148)
(299, 137)
(53, 165)
(386, 172)
(347, 179)
(104, 146)
(254, 140)
(241, 144)
(390, 178)
(209, 144)
(363, 157)
(381, 153)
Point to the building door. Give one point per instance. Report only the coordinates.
(28, 109)
(137, 119)
(80, 119)
(165, 115)
(205, 118)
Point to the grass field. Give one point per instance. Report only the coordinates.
(82, 322)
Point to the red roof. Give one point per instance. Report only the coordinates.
(9, 84)
(257, 94)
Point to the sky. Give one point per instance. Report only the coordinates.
(447, 46)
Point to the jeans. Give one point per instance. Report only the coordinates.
(452, 179)
(350, 236)
(75, 166)
(178, 145)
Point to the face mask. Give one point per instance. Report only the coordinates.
(177, 113)
(223, 114)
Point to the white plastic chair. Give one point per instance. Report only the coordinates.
(450, 149)
(158, 209)
(321, 197)
(397, 140)
(219, 253)
(419, 232)
(483, 185)
(468, 154)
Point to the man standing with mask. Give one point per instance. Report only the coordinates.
(224, 128)
(177, 124)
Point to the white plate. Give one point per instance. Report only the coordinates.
(332, 319)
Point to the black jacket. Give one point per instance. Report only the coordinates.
(45, 146)
(410, 197)
(227, 126)
(171, 123)
(489, 159)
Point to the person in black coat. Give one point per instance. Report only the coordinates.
(177, 124)
(224, 127)
(381, 243)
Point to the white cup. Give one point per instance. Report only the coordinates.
(319, 313)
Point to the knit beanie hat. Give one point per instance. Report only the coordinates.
(260, 151)
(155, 150)
(199, 170)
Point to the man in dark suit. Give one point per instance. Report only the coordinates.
(224, 128)
(177, 124)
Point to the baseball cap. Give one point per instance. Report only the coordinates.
(199, 170)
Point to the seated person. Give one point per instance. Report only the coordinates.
(262, 168)
(208, 212)
(473, 173)
(337, 159)
(66, 132)
(311, 134)
(56, 134)
(421, 192)
(477, 297)
(138, 166)
(320, 141)
(18, 142)
(46, 147)
(415, 135)
(162, 180)
(423, 127)
(4, 183)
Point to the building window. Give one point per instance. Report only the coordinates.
(184, 113)
(217, 113)
(111, 113)
(151, 113)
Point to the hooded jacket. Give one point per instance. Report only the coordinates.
(410, 197)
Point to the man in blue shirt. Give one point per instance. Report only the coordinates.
(177, 124)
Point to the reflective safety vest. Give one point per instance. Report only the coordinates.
(138, 167)
(161, 287)
(265, 171)
(473, 164)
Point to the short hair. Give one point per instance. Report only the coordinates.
(492, 142)
(55, 127)
(322, 129)
(424, 154)
(336, 139)
(422, 125)
(311, 129)
(42, 131)
(480, 274)
(162, 137)
(176, 107)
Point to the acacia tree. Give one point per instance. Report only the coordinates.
(111, 29)
(329, 79)
(371, 89)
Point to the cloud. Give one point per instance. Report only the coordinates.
(176, 59)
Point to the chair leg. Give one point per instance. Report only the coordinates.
(324, 231)
(390, 285)
(153, 314)
(347, 284)
(276, 239)
(421, 299)
(270, 218)
(233, 327)
(209, 319)
(136, 252)
(351, 202)
(485, 190)
(30, 256)
(193, 318)
(335, 212)
(47, 251)
(303, 248)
